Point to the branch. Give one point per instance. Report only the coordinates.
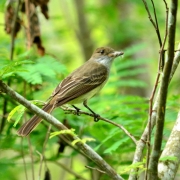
(155, 24)
(163, 94)
(90, 153)
(73, 111)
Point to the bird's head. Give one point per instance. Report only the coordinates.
(105, 55)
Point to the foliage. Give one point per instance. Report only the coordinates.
(169, 158)
(9, 68)
(139, 165)
(16, 113)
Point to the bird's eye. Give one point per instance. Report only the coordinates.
(102, 51)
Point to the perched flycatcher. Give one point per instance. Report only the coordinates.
(79, 86)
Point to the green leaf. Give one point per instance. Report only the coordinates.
(112, 133)
(169, 158)
(44, 67)
(16, 114)
(84, 140)
(139, 165)
(67, 131)
(116, 145)
(9, 68)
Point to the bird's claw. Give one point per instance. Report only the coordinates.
(77, 111)
(96, 117)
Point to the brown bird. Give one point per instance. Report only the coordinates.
(79, 86)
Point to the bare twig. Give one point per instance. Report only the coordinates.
(149, 14)
(73, 111)
(90, 153)
(157, 26)
(95, 169)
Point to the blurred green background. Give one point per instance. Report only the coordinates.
(75, 28)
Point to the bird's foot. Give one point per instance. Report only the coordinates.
(77, 112)
(96, 117)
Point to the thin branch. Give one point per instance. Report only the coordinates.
(95, 169)
(41, 162)
(162, 50)
(90, 153)
(157, 26)
(73, 111)
(149, 14)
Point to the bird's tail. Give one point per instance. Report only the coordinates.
(30, 125)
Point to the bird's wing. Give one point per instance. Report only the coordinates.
(77, 83)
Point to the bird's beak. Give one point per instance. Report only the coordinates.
(116, 54)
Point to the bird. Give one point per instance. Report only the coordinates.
(79, 86)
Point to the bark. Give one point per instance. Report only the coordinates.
(167, 169)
